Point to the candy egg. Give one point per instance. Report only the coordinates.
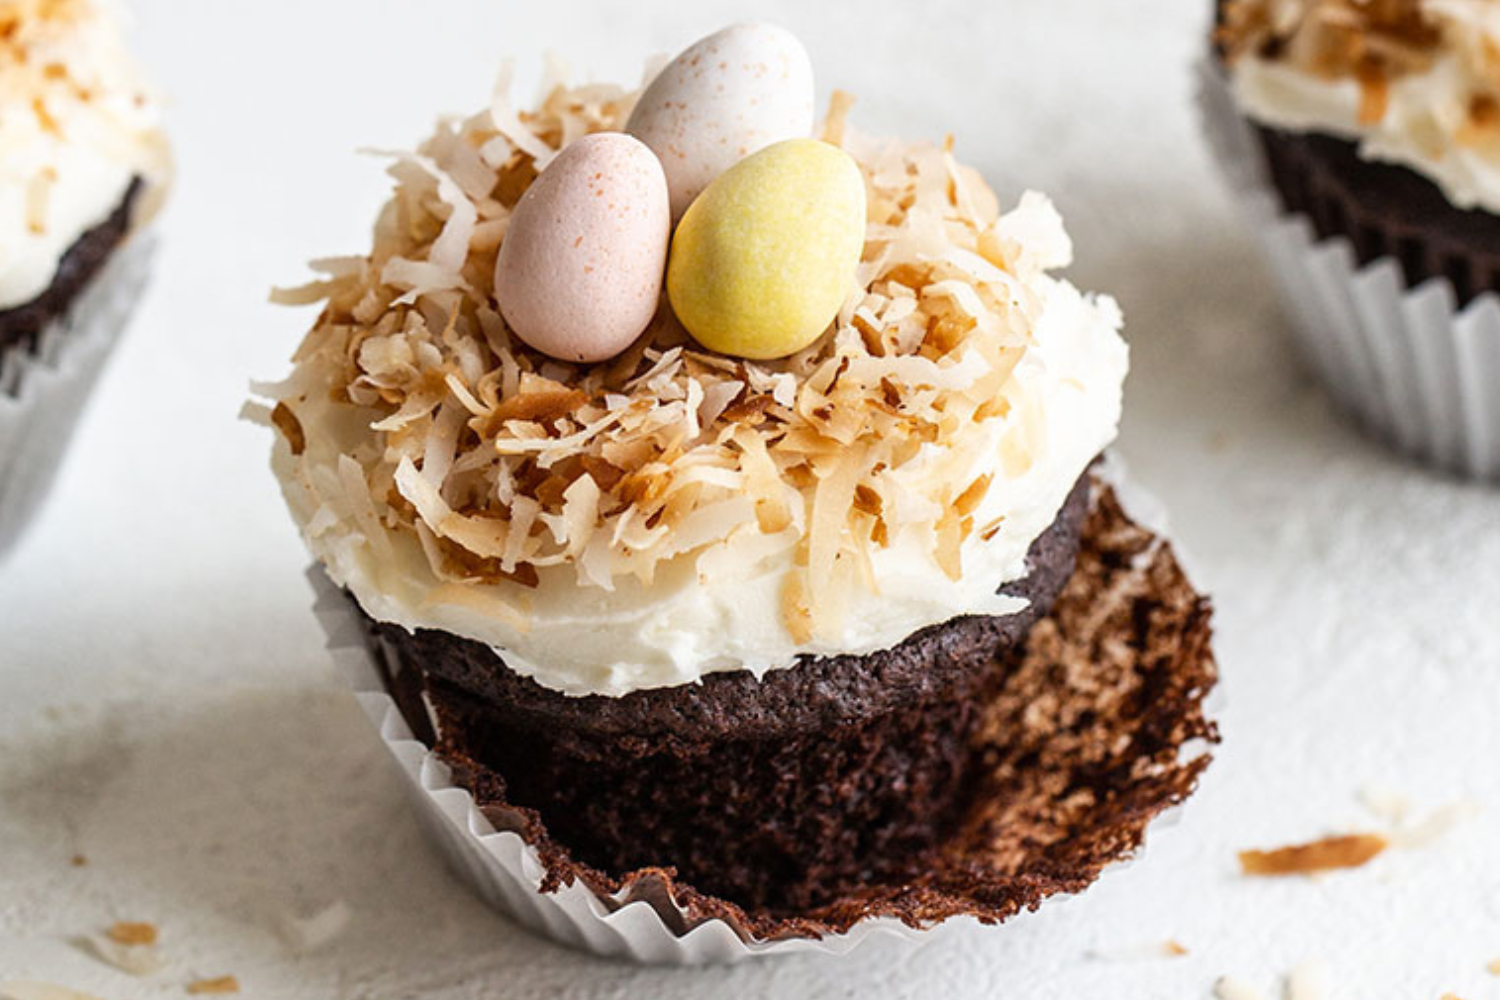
(764, 258)
(725, 97)
(580, 269)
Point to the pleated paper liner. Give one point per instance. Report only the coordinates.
(43, 391)
(1079, 761)
(1417, 365)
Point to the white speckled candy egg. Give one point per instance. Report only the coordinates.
(580, 269)
(725, 97)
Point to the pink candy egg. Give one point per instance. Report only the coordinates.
(580, 269)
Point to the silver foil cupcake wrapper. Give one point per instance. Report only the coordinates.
(1413, 369)
(506, 872)
(43, 392)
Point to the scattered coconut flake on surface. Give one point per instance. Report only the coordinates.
(1145, 951)
(1230, 988)
(78, 861)
(1494, 967)
(219, 984)
(129, 947)
(40, 991)
(132, 932)
(1308, 981)
(1348, 851)
(304, 934)
(1435, 826)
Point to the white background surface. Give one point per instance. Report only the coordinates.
(166, 708)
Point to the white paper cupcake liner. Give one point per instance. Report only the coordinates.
(506, 872)
(43, 393)
(1412, 368)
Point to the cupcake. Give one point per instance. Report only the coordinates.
(715, 499)
(82, 169)
(1365, 137)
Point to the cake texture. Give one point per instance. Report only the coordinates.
(1090, 729)
(698, 514)
(775, 793)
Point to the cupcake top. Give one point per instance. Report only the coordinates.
(641, 521)
(1413, 82)
(77, 125)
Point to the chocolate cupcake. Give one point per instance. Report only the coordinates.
(792, 600)
(82, 169)
(1377, 124)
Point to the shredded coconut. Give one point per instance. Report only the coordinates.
(40, 991)
(1375, 43)
(501, 461)
(141, 958)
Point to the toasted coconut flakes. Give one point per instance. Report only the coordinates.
(290, 427)
(830, 511)
(40, 991)
(357, 493)
(1230, 988)
(1349, 851)
(132, 932)
(795, 611)
(139, 959)
(1170, 948)
(840, 103)
(496, 458)
(418, 277)
(510, 125)
(1367, 44)
(219, 984)
(1494, 967)
(303, 295)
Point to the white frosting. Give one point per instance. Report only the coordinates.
(76, 125)
(1426, 126)
(719, 608)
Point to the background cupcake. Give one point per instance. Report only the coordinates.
(1377, 125)
(780, 603)
(82, 167)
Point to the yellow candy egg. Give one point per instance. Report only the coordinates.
(764, 257)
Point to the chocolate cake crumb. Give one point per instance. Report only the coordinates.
(775, 793)
(1086, 735)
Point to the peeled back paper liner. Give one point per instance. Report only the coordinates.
(43, 391)
(1414, 370)
(1146, 625)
